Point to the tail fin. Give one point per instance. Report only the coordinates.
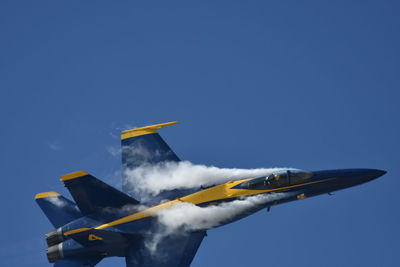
(144, 146)
(57, 208)
(92, 195)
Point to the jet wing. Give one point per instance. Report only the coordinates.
(171, 251)
(78, 262)
(144, 147)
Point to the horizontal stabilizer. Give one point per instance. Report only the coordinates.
(92, 195)
(58, 209)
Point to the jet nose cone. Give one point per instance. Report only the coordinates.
(366, 175)
(374, 173)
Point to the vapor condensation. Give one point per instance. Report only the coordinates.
(151, 179)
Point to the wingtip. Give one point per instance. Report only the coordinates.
(73, 175)
(150, 129)
(46, 195)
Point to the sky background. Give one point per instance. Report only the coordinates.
(306, 84)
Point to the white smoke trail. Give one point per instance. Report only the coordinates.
(153, 179)
(114, 151)
(192, 218)
(149, 180)
(57, 202)
(185, 217)
(124, 210)
(61, 202)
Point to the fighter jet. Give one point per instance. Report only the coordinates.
(105, 222)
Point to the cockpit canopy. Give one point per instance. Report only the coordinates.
(279, 179)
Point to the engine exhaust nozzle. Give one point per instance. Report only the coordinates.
(54, 253)
(54, 237)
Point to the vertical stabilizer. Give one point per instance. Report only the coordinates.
(93, 195)
(143, 147)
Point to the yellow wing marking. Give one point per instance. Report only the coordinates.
(73, 175)
(47, 194)
(145, 130)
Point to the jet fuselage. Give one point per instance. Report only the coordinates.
(104, 221)
(274, 189)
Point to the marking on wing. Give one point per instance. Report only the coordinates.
(47, 194)
(73, 175)
(145, 130)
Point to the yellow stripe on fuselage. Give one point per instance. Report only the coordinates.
(210, 194)
(77, 231)
(139, 215)
(219, 192)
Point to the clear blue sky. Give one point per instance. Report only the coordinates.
(306, 84)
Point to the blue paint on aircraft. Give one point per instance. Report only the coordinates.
(106, 222)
